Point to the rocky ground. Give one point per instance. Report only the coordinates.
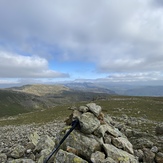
(101, 139)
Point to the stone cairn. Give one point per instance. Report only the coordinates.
(96, 140)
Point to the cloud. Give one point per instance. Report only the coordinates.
(120, 37)
(18, 66)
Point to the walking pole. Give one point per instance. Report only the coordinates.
(74, 124)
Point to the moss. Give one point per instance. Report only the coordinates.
(77, 160)
(123, 159)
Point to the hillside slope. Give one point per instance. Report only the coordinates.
(28, 98)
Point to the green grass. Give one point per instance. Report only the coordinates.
(150, 107)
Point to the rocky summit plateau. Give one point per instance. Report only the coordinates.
(98, 138)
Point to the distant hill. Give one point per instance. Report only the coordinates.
(89, 87)
(40, 89)
(145, 91)
(32, 97)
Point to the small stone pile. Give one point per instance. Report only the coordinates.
(96, 140)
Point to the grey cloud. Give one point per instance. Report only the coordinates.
(117, 36)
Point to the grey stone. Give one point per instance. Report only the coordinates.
(95, 109)
(159, 157)
(108, 160)
(34, 138)
(85, 145)
(18, 151)
(65, 157)
(88, 123)
(45, 142)
(139, 153)
(123, 143)
(154, 149)
(83, 109)
(148, 155)
(97, 157)
(118, 154)
(3, 157)
(159, 129)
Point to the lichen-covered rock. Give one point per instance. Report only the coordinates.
(95, 109)
(65, 157)
(88, 123)
(18, 151)
(118, 154)
(3, 157)
(34, 138)
(97, 157)
(83, 109)
(45, 142)
(85, 145)
(123, 143)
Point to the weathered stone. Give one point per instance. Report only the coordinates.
(21, 161)
(3, 157)
(118, 154)
(113, 131)
(123, 143)
(18, 151)
(85, 145)
(97, 157)
(45, 142)
(159, 129)
(95, 109)
(139, 153)
(76, 114)
(100, 132)
(159, 157)
(108, 160)
(34, 138)
(107, 138)
(83, 109)
(44, 154)
(154, 149)
(143, 143)
(65, 157)
(88, 123)
(148, 156)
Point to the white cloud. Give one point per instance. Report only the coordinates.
(18, 66)
(117, 36)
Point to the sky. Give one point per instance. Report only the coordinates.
(46, 41)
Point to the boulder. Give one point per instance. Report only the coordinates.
(118, 154)
(3, 157)
(123, 143)
(88, 123)
(45, 142)
(95, 109)
(97, 157)
(18, 151)
(65, 157)
(159, 129)
(34, 138)
(84, 145)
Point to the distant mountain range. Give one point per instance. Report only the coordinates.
(120, 89)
